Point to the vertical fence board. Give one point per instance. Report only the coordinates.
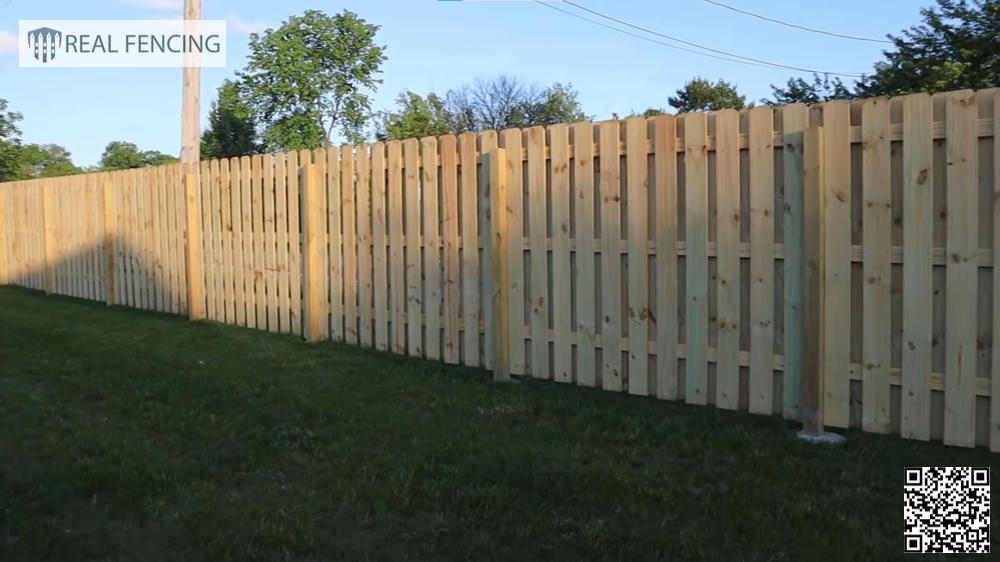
(411, 220)
(510, 141)
(638, 309)
(610, 188)
(793, 123)
(487, 141)
(247, 241)
(582, 136)
(727, 161)
(314, 225)
(562, 274)
(270, 267)
(257, 221)
(336, 186)
(364, 241)
(349, 244)
(961, 271)
(696, 260)
(467, 159)
(294, 244)
(379, 248)
(397, 280)
(431, 247)
(537, 237)
(761, 162)
(837, 250)
(877, 220)
(281, 240)
(994, 433)
(665, 171)
(450, 227)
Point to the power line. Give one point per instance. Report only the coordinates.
(802, 27)
(643, 37)
(696, 45)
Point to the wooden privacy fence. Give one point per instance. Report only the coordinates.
(833, 261)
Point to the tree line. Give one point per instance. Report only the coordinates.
(312, 79)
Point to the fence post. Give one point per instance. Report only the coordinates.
(314, 233)
(4, 267)
(110, 296)
(49, 239)
(812, 271)
(195, 279)
(500, 276)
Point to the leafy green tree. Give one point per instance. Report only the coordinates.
(558, 104)
(231, 130)
(819, 90)
(956, 47)
(415, 117)
(45, 161)
(119, 155)
(309, 78)
(700, 94)
(10, 142)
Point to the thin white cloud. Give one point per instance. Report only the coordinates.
(8, 42)
(158, 5)
(247, 27)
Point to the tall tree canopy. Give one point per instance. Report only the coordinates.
(700, 94)
(956, 47)
(494, 104)
(819, 90)
(119, 155)
(231, 131)
(310, 78)
(10, 142)
(45, 161)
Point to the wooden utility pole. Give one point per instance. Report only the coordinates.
(190, 129)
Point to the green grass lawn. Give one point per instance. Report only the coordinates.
(135, 436)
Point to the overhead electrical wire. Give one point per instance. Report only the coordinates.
(643, 37)
(699, 46)
(796, 26)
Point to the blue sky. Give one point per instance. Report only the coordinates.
(433, 46)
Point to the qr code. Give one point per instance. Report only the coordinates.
(946, 510)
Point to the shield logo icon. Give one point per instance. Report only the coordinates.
(43, 43)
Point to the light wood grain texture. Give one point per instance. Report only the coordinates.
(667, 293)
(246, 241)
(5, 268)
(562, 273)
(538, 287)
(258, 240)
(510, 140)
(380, 290)
(585, 274)
(876, 296)
(793, 122)
(813, 279)
(727, 162)
(994, 433)
(270, 251)
(696, 260)
(295, 271)
(836, 222)
(195, 280)
(497, 164)
(239, 259)
(487, 141)
(349, 242)
(411, 220)
(638, 307)
(431, 249)
(467, 159)
(961, 282)
(281, 242)
(397, 279)
(450, 219)
(207, 236)
(336, 276)
(364, 242)
(313, 231)
(761, 156)
(610, 189)
(49, 229)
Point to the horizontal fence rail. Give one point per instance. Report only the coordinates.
(725, 258)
